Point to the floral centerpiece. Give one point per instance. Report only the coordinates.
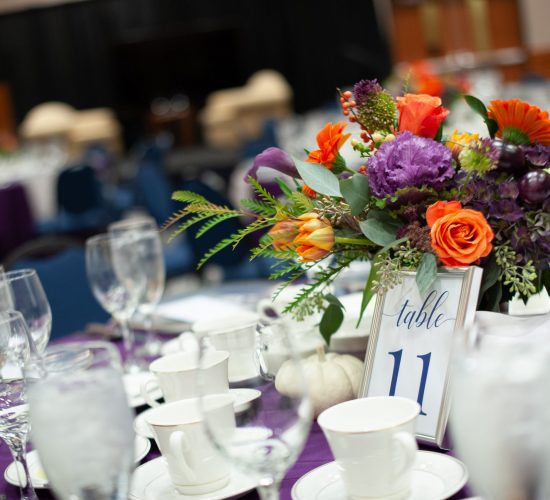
(417, 201)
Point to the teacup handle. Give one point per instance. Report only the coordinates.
(144, 391)
(179, 446)
(407, 442)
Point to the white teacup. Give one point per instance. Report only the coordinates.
(373, 442)
(236, 335)
(176, 375)
(195, 467)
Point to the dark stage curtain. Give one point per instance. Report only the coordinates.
(123, 53)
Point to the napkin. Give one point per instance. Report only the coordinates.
(502, 328)
(191, 309)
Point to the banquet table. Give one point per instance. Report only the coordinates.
(315, 453)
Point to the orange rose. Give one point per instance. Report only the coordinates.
(420, 114)
(315, 238)
(329, 139)
(282, 234)
(441, 208)
(461, 238)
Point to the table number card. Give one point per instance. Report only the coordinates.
(411, 339)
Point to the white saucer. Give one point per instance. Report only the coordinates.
(151, 481)
(435, 476)
(38, 476)
(243, 398)
(132, 384)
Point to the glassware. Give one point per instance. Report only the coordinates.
(21, 290)
(500, 414)
(14, 414)
(117, 284)
(146, 242)
(82, 424)
(271, 431)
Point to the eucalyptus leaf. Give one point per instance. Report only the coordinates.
(318, 178)
(426, 273)
(477, 106)
(492, 298)
(330, 322)
(379, 227)
(439, 133)
(333, 300)
(356, 192)
(492, 127)
(491, 272)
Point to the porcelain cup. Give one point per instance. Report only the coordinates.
(236, 335)
(176, 375)
(373, 442)
(195, 467)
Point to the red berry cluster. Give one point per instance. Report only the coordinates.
(348, 105)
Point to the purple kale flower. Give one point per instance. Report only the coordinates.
(537, 154)
(409, 161)
(276, 159)
(507, 210)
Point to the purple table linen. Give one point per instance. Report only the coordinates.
(316, 453)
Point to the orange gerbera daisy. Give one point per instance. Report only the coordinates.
(520, 122)
(329, 139)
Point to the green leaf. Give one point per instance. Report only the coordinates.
(439, 133)
(477, 106)
(356, 192)
(284, 187)
(491, 272)
(339, 164)
(330, 322)
(546, 279)
(368, 292)
(492, 127)
(333, 300)
(492, 298)
(426, 273)
(379, 227)
(318, 178)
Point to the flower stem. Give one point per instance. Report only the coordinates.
(353, 241)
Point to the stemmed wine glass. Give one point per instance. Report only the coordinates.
(81, 422)
(21, 290)
(500, 414)
(117, 284)
(270, 433)
(147, 244)
(14, 414)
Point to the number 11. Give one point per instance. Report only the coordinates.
(425, 367)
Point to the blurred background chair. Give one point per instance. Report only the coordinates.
(61, 265)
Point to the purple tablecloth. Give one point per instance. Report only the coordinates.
(316, 452)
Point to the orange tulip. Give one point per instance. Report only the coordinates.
(329, 139)
(461, 238)
(441, 208)
(315, 237)
(420, 114)
(282, 234)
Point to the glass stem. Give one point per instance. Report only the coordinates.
(25, 485)
(268, 489)
(152, 344)
(129, 343)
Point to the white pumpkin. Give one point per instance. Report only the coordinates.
(331, 378)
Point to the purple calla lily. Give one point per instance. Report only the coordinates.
(276, 159)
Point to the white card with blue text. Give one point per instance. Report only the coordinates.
(411, 340)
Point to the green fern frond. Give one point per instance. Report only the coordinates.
(286, 270)
(187, 224)
(211, 208)
(214, 221)
(266, 250)
(174, 218)
(264, 194)
(235, 239)
(304, 268)
(321, 280)
(302, 202)
(259, 207)
(188, 197)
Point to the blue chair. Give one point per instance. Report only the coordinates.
(66, 285)
(155, 193)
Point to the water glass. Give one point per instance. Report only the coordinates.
(81, 422)
(21, 290)
(117, 284)
(14, 415)
(269, 433)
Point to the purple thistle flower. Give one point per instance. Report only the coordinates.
(276, 159)
(364, 89)
(409, 161)
(507, 210)
(508, 189)
(537, 154)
